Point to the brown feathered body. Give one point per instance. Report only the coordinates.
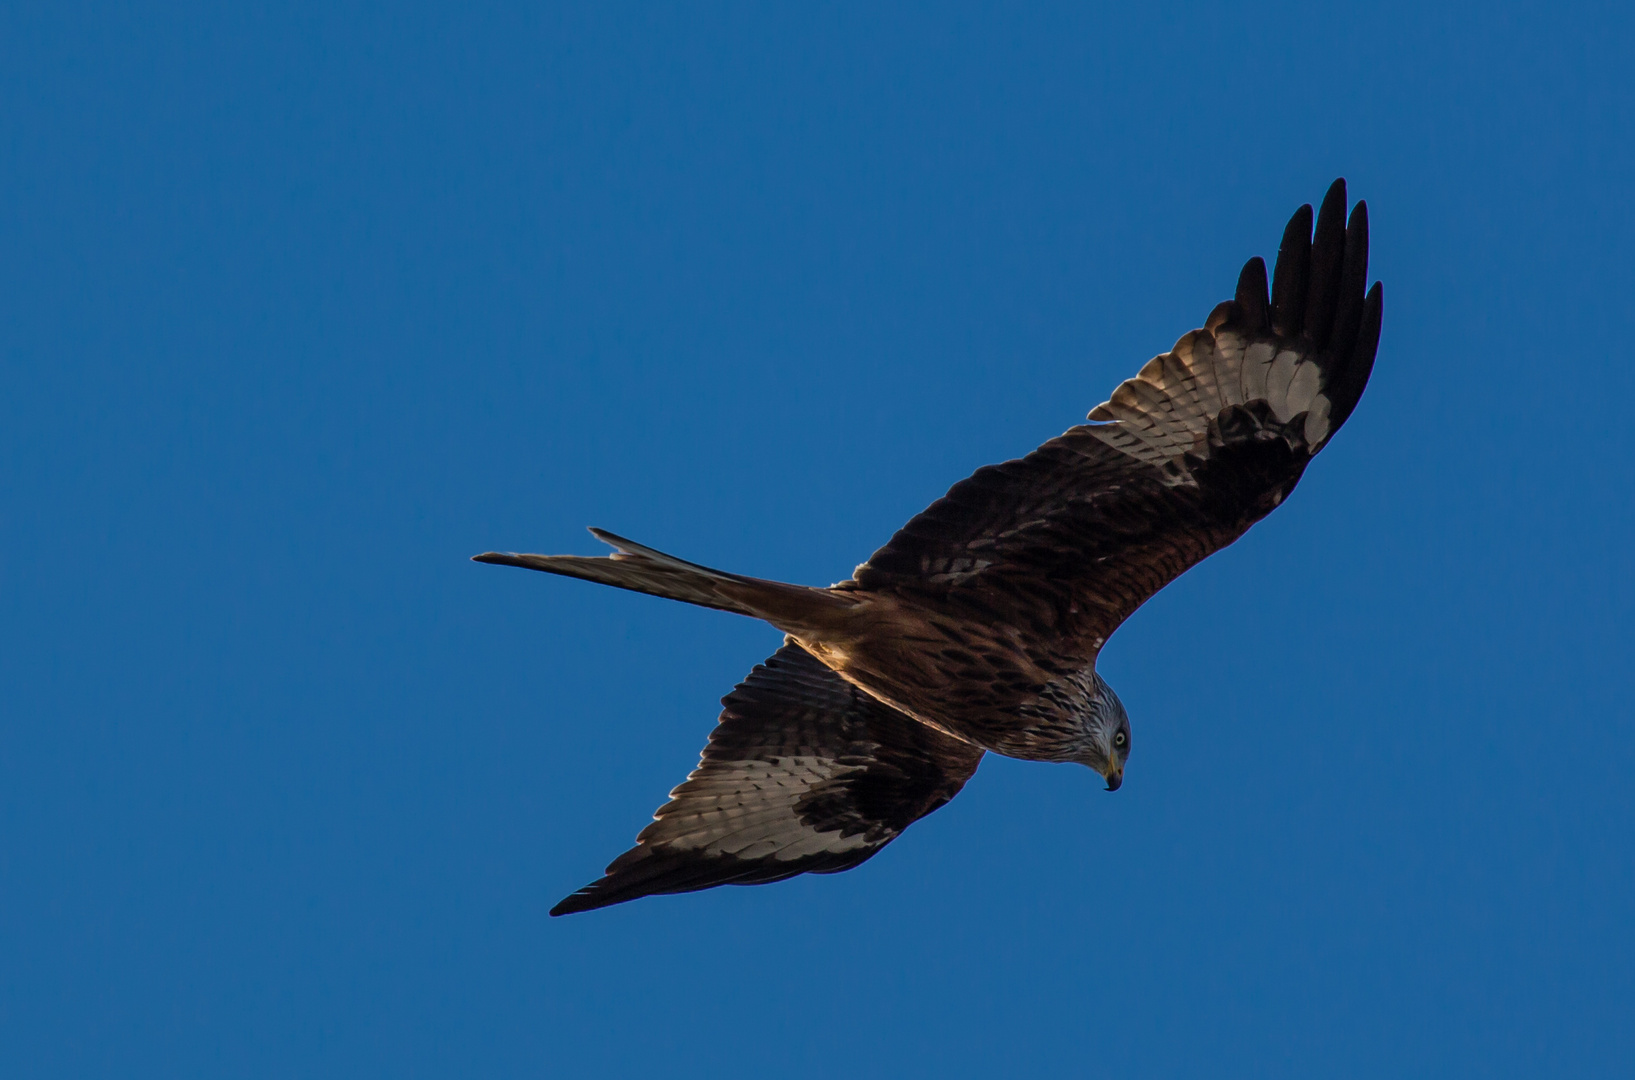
(994, 639)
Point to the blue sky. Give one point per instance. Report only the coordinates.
(299, 308)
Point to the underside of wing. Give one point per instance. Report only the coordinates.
(1202, 443)
(803, 774)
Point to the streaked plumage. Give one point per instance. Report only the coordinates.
(977, 626)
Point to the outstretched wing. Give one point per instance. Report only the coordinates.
(803, 774)
(1205, 441)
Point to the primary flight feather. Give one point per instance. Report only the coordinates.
(977, 626)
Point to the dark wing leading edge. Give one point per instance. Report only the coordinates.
(1205, 441)
(803, 774)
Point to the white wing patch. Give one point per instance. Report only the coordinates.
(1164, 412)
(748, 809)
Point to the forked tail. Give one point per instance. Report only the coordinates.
(641, 569)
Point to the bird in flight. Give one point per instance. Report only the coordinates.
(977, 626)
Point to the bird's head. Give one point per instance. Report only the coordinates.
(1107, 747)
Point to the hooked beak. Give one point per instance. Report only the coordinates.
(1115, 777)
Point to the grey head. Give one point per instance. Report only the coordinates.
(1106, 745)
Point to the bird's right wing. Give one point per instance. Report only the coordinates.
(803, 774)
(1207, 439)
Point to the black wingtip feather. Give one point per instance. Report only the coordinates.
(1361, 365)
(1353, 280)
(1327, 259)
(566, 907)
(666, 874)
(1290, 276)
(1251, 295)
(1368, 339)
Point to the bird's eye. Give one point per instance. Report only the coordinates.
(1120, 739)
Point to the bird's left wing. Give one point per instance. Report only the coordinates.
(803, 774)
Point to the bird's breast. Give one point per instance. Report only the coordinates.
(986, 683)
